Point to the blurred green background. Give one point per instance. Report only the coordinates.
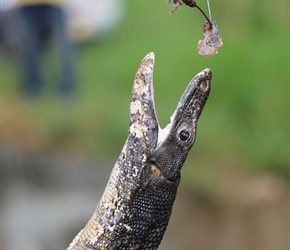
(244, 128)
(246, 119)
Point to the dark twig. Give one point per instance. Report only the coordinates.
(192, 4)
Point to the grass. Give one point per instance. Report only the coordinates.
(245, 121)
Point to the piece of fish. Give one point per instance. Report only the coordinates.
(212, 40)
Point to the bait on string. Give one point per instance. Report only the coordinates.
(212, 38)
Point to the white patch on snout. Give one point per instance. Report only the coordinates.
(137, 130)
(135, 106)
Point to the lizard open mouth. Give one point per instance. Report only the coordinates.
(143, 119)
(191, 102)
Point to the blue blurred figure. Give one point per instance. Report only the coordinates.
(42, 20)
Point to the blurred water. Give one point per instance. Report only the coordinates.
(48, 198)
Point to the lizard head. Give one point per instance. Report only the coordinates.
(162, 152)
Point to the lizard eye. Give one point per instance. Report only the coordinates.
(183, 135)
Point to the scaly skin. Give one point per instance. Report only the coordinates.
(135, 208)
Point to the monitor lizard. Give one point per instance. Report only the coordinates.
(136, 205)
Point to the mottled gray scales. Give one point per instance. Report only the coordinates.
(135, 208)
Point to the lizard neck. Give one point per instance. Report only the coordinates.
(133, 212)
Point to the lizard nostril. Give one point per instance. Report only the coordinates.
(204, 85)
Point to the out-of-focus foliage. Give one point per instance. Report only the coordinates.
(245, 122)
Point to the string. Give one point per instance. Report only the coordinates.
(208, 6)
